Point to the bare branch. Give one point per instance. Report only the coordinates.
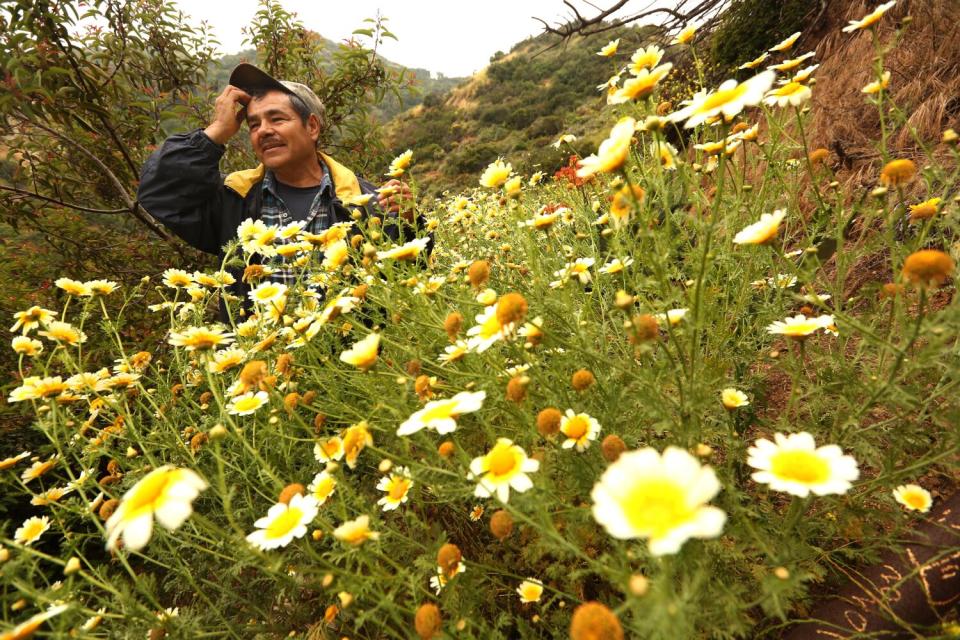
(68, 205)
(132, 205)
(677, 16)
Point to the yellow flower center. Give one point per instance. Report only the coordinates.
(266, 237)
(330, 447)
(63, 334)
(406, 253)
(50, 389)
(646, 61)
(41, 468)
(898, 172)
(915, 500)
(283, 524)
(801, 330)
(229, 362)
(245, 404)
(33, 529)
(398, 488)
(502, 461)
(149, 492)
(204, 340)
(541, 222)
(490, 327)
(656, 506)
(805, 467)
(721, 98)
(531, 591)
(576, 427)
(266, 293)
(324, 489)
(666, 157)
(441, 411)
(789, 89)
(354, 441)
(641, 87)
(356, 534)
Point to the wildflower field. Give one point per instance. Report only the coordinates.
(636, 399)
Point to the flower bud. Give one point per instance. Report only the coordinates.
(582, 380)
(72, 566)
(592, 620)
(294, 489)
(452, 325)
(548, 421)
(448, 558)
(446, 449)
(427, 621)
(501, 524)
(611, 447)
(479, 273)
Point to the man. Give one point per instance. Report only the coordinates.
(182, 187)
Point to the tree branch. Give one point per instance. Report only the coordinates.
(68, 205)
(132, 205)
(679, 15)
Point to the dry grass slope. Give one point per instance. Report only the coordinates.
(924, 80)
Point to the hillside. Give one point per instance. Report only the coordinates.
(515, 107)
(545, 86)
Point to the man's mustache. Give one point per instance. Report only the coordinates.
(271, 141)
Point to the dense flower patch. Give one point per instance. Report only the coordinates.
(633, 401)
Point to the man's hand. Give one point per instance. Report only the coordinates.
(226, 117)
(395, 197)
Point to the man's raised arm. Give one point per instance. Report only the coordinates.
(180, 183)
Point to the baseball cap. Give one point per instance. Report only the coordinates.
(251, 79)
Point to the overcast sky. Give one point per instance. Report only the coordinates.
(453, 37)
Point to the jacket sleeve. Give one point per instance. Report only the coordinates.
(181, 186)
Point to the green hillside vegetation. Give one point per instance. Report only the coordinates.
(516, 107)
(545, 87)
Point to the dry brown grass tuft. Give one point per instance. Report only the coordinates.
(924, 81)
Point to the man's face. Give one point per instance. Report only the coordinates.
(279, 137)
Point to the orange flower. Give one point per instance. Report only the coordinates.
(818, 156)
(582, 380)
(898, 172)
(592, 621)
(427, 621)
(924, 210)
(479, 273)
(928, 267)
(511, 308)
(548, 421)
(501, 524)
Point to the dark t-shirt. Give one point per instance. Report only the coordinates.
(297, 199)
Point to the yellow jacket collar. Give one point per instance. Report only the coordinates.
(345, 181)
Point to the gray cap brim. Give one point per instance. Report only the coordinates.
(249, 78)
